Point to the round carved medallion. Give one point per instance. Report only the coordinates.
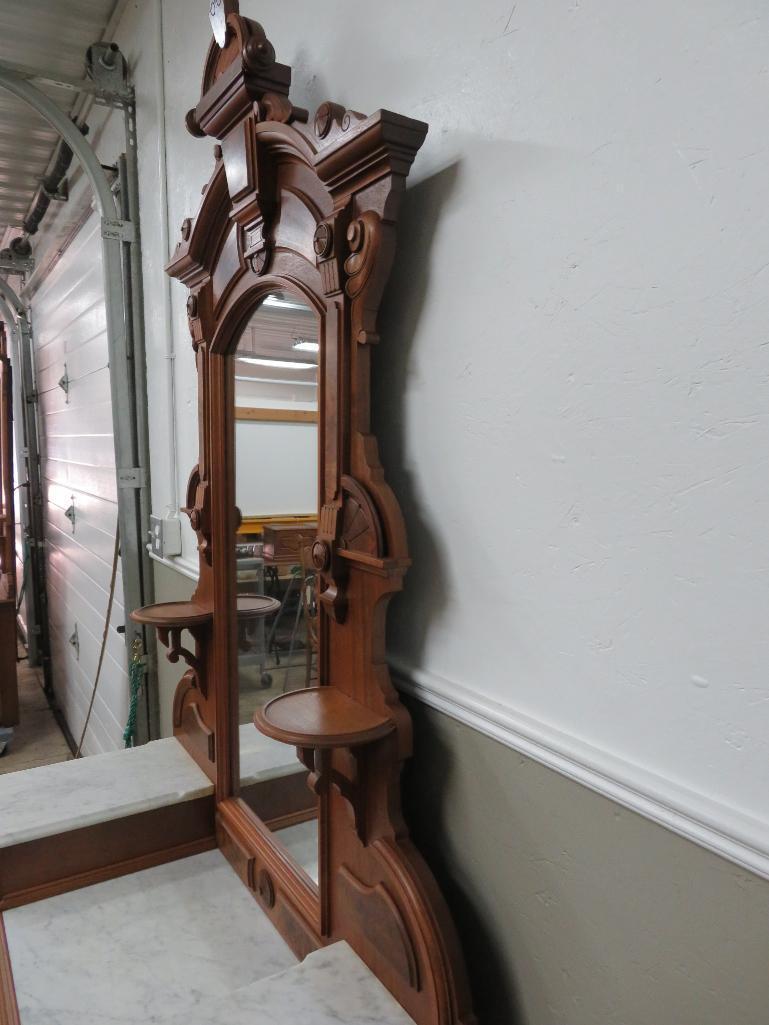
(323, 120)
(321, 243)
(265, 888)
(321, 555)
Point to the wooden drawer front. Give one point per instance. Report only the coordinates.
(283, 541)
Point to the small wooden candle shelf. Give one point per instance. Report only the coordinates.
(173, 615)
(170, 618)
(255, 606)
(321, 717)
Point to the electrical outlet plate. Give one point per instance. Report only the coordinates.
(165, 536)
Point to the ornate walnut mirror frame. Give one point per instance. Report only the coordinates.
(307, 208)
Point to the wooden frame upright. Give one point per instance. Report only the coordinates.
(309, 207)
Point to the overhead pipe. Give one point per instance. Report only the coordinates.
(50, 185)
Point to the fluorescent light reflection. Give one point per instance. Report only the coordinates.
(284, 304)
(281, 364)
(275, 380)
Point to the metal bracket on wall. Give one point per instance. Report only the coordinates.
(71, 514)
(106, 66)
(74, 640)
(97, 87)
(132, 477)
(11, 263)
(64, 383)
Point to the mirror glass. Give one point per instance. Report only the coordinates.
(275, 369)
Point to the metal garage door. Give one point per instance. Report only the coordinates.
(78, 469)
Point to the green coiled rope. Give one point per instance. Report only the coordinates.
(135, 676)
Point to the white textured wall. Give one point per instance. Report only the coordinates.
(571, 388)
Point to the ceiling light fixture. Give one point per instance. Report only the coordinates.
(305, 345)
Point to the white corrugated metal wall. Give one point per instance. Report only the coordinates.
(78, 463)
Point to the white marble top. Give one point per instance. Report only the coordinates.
(57, 798)
(144, 948)
(182, 944)
(330, 987)
(264, 758)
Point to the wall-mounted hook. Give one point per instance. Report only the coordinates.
(64, 384)
(71, 514)
(74, 640)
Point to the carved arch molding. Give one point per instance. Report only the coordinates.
(309, 204)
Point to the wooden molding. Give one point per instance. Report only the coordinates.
(42, 868)
(712, 824)
(276, 416)
(9, 1008)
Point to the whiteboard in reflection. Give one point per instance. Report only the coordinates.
(276, 468)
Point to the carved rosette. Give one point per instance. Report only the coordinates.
(198, 509)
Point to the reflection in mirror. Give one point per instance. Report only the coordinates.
(276, 490)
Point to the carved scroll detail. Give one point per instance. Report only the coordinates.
(199, 511)
(367, 267)
(363, 237)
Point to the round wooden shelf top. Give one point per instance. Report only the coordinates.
(252, 606)
(321, 717)
(171, 614)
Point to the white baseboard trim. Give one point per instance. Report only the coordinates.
(186, 567)
(715, 826)
(739, 838)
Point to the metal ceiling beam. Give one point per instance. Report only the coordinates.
(72, 85)
(23, 89)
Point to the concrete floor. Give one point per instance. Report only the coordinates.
(37, 740)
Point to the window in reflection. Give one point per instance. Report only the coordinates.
(276, 488)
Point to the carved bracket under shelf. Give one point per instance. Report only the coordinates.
(318, 720)
(171, 638)
(170, 619)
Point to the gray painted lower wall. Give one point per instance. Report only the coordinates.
(571, 910)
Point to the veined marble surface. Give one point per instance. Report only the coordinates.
(264, 758)
(147, 948)
(330, 987)
(57, 798)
